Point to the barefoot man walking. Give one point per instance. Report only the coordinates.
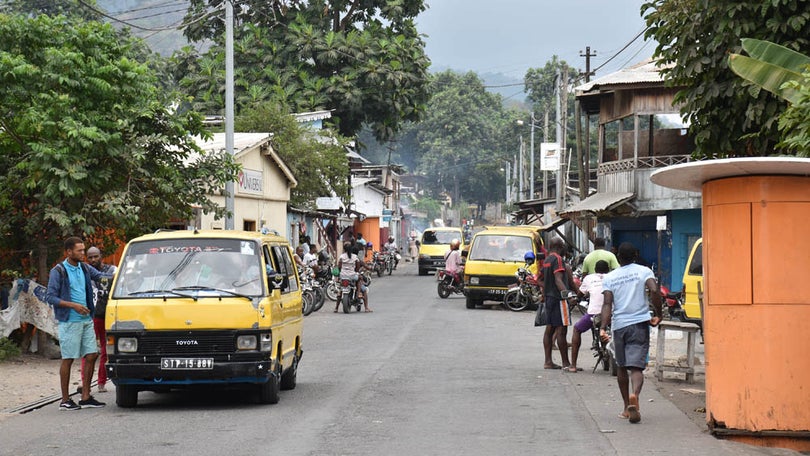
(626, 311)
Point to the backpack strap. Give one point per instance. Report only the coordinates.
(62, 272)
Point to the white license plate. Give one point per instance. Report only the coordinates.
(497, 292)
(186, 363)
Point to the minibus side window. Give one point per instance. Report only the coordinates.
(282, 259)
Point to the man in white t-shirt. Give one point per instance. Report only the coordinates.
(626, 311)
(311, 258)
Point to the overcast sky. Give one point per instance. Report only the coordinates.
(509, 36)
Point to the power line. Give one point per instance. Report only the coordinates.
(620, 50)
(176, 26)
(152, 7)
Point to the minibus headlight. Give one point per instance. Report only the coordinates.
(127, 344)
(246, 342)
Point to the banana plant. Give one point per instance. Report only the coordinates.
(770, 66)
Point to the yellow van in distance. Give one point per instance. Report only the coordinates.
(204, 307)
(434, 245)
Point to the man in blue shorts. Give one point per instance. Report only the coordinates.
(626, 311)
(70, 292)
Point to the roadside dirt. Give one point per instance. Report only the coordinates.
(689, 398)
(29, 378)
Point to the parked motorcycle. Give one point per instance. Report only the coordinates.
(525, 294)
(449, 283)
(308, 294)
(673, 304)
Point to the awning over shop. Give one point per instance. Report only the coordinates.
(599, 202)
(553, 225)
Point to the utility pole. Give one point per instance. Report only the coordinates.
(585, 152)
(229, 190)
(545, 139)
(559, 139)
(531, 160)
(520, 170)
(588, 56)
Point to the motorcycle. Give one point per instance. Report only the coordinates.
(348, 295)
(602, 350)
(525, 294)
(391, 261)
(379, 263)
(309, 294)
(673, 304)
(449, 283)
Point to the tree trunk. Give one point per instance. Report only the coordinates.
(42, 262)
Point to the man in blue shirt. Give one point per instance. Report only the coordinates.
(626, 311)
(70, 292)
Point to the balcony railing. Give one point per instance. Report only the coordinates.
(642, 162)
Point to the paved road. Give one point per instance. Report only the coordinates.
(418, 376)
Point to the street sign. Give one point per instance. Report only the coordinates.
(550, 156)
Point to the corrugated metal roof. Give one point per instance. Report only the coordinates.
(599, 202)
(241, 141)
(643, 72)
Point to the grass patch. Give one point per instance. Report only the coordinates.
(8, 349)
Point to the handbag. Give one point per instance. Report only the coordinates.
(540, 318)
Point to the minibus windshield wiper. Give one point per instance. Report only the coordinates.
(202, 288)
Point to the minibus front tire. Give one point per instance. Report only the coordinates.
(290, 377)
(269, 391)
(126, 396)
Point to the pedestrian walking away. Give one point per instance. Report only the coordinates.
(626, 311)
(101, 293)
(70, 292)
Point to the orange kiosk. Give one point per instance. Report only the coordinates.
(756, 250)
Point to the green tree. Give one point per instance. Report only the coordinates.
(363, 59)
(317, 159)
(71, 8)
(540, 85)
(728, 117)
(785, 73)
(89, 143)
(464, 138)
(430, 206)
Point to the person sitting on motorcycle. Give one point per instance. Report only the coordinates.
(390, 248)
(311, 258)
(452, 260)
(349, 264)
(299, 258)
(591, 286)
(361, 282)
